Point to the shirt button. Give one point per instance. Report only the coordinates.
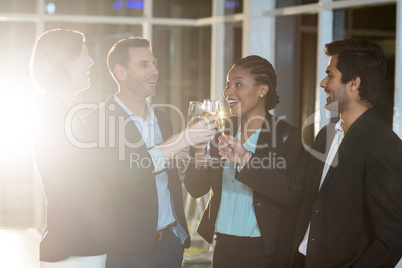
(258, 204)
(317, 211)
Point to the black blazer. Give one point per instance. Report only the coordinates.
(123, 161)
(356, 217)
(78, 216)
(276, 190)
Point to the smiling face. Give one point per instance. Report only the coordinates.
(140, 75)
(337, 95)
(79, 70)
(243, 94)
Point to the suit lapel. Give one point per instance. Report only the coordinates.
(165, 125)
(265, 136)
(131, 132)
(265, 133)
(322, 146)
(355, 131)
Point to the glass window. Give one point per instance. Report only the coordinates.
(292, 3)
(233, 44)
(381, 18)
(233, 6)
(377, 23)
(16, 90)
(18, 6)
(15, 48)
(182, 9)
(184, 60)
(133, 8)
(308, 57)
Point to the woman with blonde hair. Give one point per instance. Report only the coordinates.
(77, 214)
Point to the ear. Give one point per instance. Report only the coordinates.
(355, 84)
(120, 72)
(263, 90)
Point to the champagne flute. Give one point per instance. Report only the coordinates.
(220, 121)
(194, 114)
(210, 107)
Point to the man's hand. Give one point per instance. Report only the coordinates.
(199, 133)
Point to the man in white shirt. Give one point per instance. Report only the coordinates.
(150, 228)
(352, 209)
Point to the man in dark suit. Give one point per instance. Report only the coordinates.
(134, 145)
(351, 215)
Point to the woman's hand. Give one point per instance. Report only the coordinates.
(232, 149)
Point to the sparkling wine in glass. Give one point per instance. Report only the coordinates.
(210, 107)
(220, 121)
(194, 114)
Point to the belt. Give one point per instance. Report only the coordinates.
(161, 234)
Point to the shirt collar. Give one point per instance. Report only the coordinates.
(151, 118)
(338, 126)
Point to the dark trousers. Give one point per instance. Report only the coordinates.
(239, 252)
(299, 260)
(166, 253)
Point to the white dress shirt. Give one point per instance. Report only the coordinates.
(152, 136)
(339, 134)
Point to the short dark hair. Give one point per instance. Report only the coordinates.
(264, 74)
(119, 53)
(53, 51)
(360, 58)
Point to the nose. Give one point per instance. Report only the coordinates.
(226, 91)
(154, 70)
(323, 82)
(91, 61)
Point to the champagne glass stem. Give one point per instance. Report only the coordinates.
(208, 155)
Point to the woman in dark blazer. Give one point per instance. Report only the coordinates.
(256, 187)
(77, 214)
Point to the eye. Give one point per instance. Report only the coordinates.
(155, 63)
(238, 84)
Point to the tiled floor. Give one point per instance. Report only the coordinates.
(19, 248)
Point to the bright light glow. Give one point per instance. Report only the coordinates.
(118, 5)
(135, 4)
(16, 117)
(232, 4)
(19, 247)
(50, 8)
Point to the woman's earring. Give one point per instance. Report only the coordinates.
(262, 95)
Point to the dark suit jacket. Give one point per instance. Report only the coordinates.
(123, 160)
(276, 190)
(78, 216)
(356, 217)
